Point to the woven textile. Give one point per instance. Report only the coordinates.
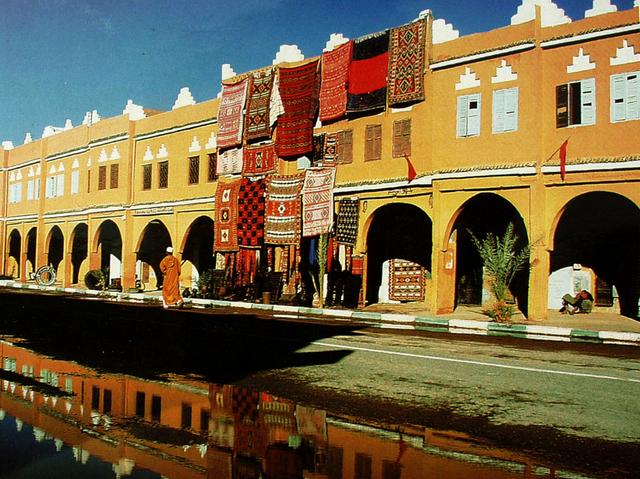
(331, 148)
(335, 74)
(318, 149)
(368, 73)
(251, 212)
(282, 209)
(406, 281)
(317, 201)
(257, 118)
(276, 108)
(259, 160)
(226, 217)
(347, 222)
(230, 118)
(230, 162)
(406, 63)
(299, 92)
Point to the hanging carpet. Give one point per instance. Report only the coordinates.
(347, 222)
(299, 92)
(230, 114)
(318, 149)
(335, 74)
(317, 201)
(331, 148)
(406, 63)
(251, 212)
(230, 162)
(282, 209)
(226, 216)
(257, 117)
(259, 160)
(406, 281)
(368, 73)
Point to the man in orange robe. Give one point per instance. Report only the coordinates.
(170, 267)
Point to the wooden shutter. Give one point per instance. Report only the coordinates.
(461, 124)
(588, 101)
(401, 138)
(511, 109)
(473, 115)
(146, 177)
(102, 177)
(562, 106)
(377, 142)
(633, 91)
(113, 180)
(368, 143)
(345, 147)
(163, 174)
(498, 110)
(618, 94)
(575, 103)
(211, 174)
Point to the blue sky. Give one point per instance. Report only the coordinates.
(62, 58)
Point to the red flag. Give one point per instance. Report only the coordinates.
(563, 159)
(411, 171)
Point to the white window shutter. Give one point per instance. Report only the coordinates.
(588, 101)
(498, 122)
(461, 126)
(75, 182)
(36, 188)
(511, 109)
(618, 107)
(633, 91)
(473, 118)
(60, 185)
(29, 190)
(18, 192)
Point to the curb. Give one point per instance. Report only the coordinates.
(377, 320)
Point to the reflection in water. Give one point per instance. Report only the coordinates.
(60, 419)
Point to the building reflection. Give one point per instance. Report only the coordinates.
(184, 428)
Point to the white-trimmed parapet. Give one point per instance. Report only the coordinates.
(91, 117)
(288, 53)
(468, 79)
(27, 138)
(600, 7)
(335, 40)
(551, 14)
(227, 71)
(51, 130)
(581, 62)
(7, 145)
(185, 98)
(68, 125)
(135, 112)
(443, 32)
(625, 54)
(504, 73)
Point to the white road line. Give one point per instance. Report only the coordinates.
(476, 363)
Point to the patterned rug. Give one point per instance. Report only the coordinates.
(251, 203)
(226, 216)
(230, 118)
(406, 281)
(317, 201)
(347, 223)
(257, 117)
(282, 209)
(368, 73)
(406, 63)
(318, 149)
(335, 74)
(331, 148)
(230, 162)
(259, 160)
(299, 92)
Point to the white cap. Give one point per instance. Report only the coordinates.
(169, 249)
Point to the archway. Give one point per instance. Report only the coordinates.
(13, 260)
(485, 213)
(397, 231)
(55, 247)
(600, 231)
(109, 249)
(32, 244)
(79, 251)
(198, 247)
(152, 248)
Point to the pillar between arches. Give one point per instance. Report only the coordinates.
(539, 282)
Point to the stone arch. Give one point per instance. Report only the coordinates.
(482, 214)
(107, 245)
(55, 247)
(389, 237)
(78, 245)
(31, 250)
(14, 248)
(152, 245)
(599, 231)
(197, 248)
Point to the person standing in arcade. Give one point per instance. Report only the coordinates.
(170, 268)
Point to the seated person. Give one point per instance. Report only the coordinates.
(580, 303)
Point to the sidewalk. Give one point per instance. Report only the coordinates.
(596, 327)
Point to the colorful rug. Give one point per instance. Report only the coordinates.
(257, 117)
(318, 149)
(406, 281)
(276, 108)
(335, 75)
(331, 148)
(317, 201)
(299, 92)
(251, 204)
(226, 216)
(368, 73)
(406, 63)
(230, 162)
(347, 222)
(282, 209)
(230, 117)
(259, 160)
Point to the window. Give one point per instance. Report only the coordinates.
(75, 182)
(625, 89)
(576, 103)
(345, 147)
(211, 172)
(163, 174)
(59, 184)
(194, 170)
(146, 177)
(106, 401)
(88, 181)
(102, 177)
(156, 408)
(468, 121)
(140, 397)
(204, 420)
(36, 189)
(30, 192)
(401, 138)
(51, 187)
(505, 110)
(95, 398)
(362, 466)
(113, 179)
(373, 142)
(186, 416)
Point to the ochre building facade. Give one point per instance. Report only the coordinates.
(500, 110)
